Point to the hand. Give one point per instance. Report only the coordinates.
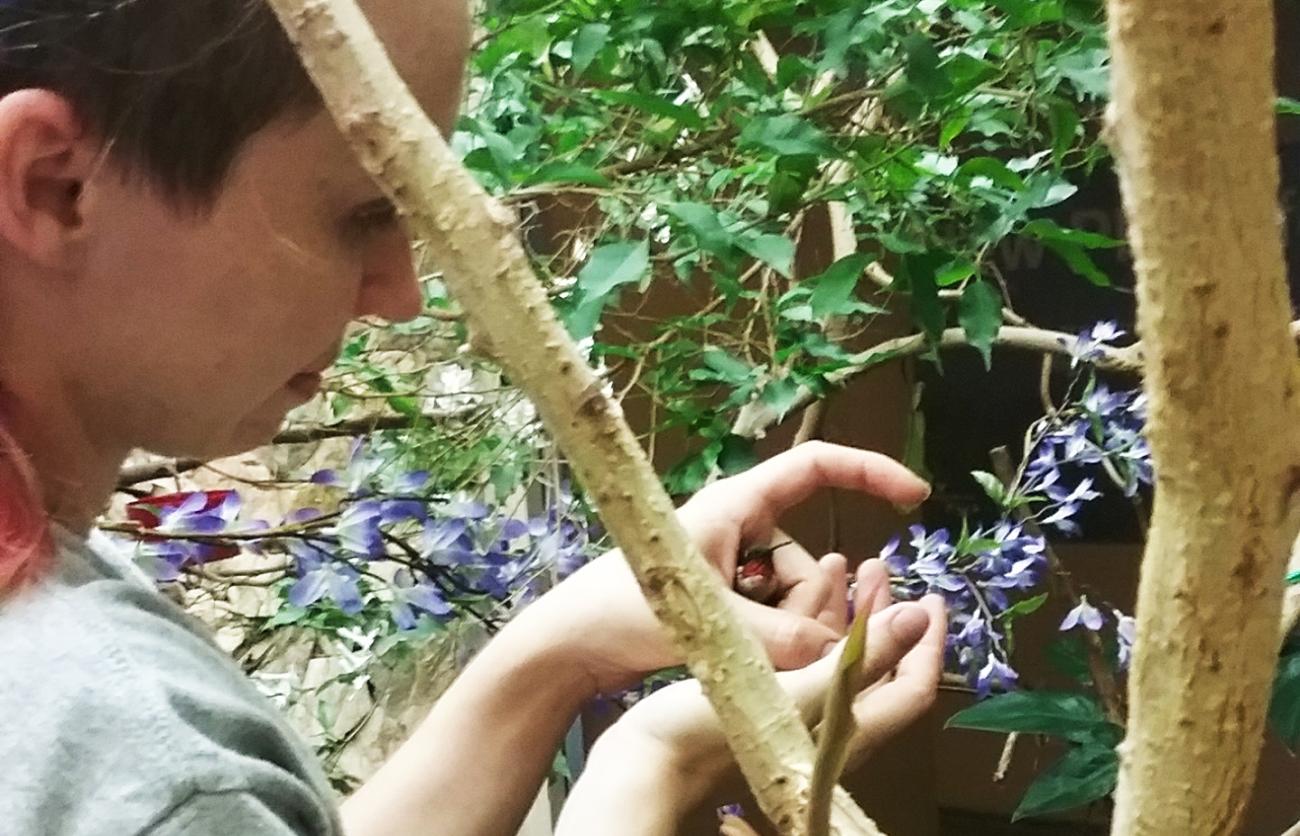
(674, 739)
(600, 616)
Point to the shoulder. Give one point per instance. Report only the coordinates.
(131, 714)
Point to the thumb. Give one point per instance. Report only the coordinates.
(791, 640)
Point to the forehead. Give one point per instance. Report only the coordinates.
(428, 41)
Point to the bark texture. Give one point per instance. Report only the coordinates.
(1192, 127)
(490, 276)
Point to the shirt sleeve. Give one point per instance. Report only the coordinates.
(222, 813)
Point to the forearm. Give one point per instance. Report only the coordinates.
(474, 766)
(635, 785)
(631, 787)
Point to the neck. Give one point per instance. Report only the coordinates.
(77, 474)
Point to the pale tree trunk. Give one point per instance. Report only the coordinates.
(489, 274)
(1192, 127)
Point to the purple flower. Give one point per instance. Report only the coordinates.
(358, 528)
(1085, 614)
(995, 671)
(364, 465)
(410, 596)
(319, 577)
(1089, 343)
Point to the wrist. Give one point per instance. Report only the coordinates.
(686, 773)
(630, 785)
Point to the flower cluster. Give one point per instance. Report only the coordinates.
(980, 577)
(391, 540)
(1101, 434)
(202, 512)
(989, 577)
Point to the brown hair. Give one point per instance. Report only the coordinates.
(175, 88)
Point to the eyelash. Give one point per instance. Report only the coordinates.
(373, 220)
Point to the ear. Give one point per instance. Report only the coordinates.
(45, 159)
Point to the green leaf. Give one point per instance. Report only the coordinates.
(923, 70)
(287, 614)
(1023, 608)
(737, 454)
(404, 405)
(952, 127)
(834, 287)
(727, 367)
(1086, 773)
(561, 172)
(1286, 106)
(589, 41)
(703, 221)
(957, 270)
(1069, 655)
(786, 134)
(781, 395)
(980, 315)
(1045, 230)
(1064, 714)
(1078, 260)
(1284, 710)
(613, 265)
(654, 105)
(582, 319)
(918, 272)
(995, 170)
(776, 251)
(1063, 120)
(992, 486)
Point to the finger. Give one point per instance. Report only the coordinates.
(872, 591)
(924, 663)
(835, 612)
(791, 640)
(785, 480)
(802, 585)
(884, 649)
(892, 706)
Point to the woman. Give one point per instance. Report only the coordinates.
(183, 237)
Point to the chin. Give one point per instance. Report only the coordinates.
(247, 434)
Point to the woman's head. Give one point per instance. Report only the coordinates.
(183, 232)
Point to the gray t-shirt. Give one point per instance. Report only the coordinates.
(119, 715)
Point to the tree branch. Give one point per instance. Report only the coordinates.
(756, 417)
(488, 273)
(1199, 178)
(136, 474)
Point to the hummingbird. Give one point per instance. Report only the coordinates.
(756, 574)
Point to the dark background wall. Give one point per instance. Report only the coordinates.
(929, 782)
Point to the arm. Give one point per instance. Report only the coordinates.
(476, 763)
(474, 766)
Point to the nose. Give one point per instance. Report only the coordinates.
(390, 286)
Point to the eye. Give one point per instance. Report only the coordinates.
(375, 216)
